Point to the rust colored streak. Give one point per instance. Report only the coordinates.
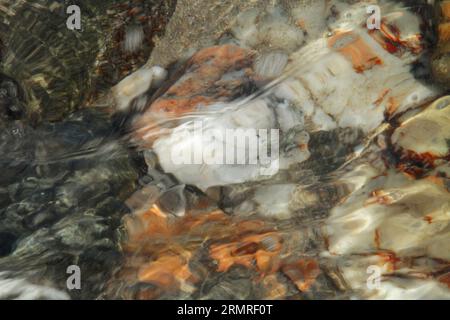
(390, 258)
(392, 33)
(390, 47)
(159, 253)
(377, 238)
(428, 219)
(303, 146)
(153, 221)
(444, 32)
(178, 106)
(302, 272)
(168, 271)
(326, 241)
(392, 106)
(155, 224)
(389, 38)
(214, 74)
(222, 57)
(411, 172)
(223, 254)
(414, 163)
(436, 180)
(380, 197)
(191, 222)
(355, 49)
(381, 97)
(248, 251)
(384, 42)
(445, 279)
(204, 72)
(445, 7)
(301, 24)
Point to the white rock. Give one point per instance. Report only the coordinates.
(136, 84)
(21, 289)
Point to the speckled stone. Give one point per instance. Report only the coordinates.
(440, 60)
(62, 201)
(62, 70)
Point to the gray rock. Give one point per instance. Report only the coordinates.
(65, 204)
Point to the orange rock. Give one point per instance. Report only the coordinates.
(444, 31)
(380, 197)
(168, 271)
(222, 57)
(249, 252)
(436, 180)
(381, 97)
(302, 272)
(178, 106)
(428, 219)
(392, 106)
(390, 46)
(159, 247)
(152, 221)
(413, 164)
(203, 82)
(389, 38)
(445, 7)
(214, 74)
(389, 260)
(354, 49)
(377, 238)
(392, 35)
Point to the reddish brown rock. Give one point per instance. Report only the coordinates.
(214, 74)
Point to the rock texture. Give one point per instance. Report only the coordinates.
(62, 70)
(369, 192)
(61, 201)
(441, 57)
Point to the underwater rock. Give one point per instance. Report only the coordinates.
(268, 29)
(396, 217)
(427, 134)
(12, 105)
(64, 203)
(263, 25)
(355, 77)
(196, 24)
(62, 70)
(214, 77)
(348, 78)
(215, 74)
(135, 85)
(440, 60)
(358, 178)
(363, 179)
(173, 201)
(20, 289)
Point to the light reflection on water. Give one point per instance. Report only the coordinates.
(359, 186)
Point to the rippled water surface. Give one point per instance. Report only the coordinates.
(115, 175)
